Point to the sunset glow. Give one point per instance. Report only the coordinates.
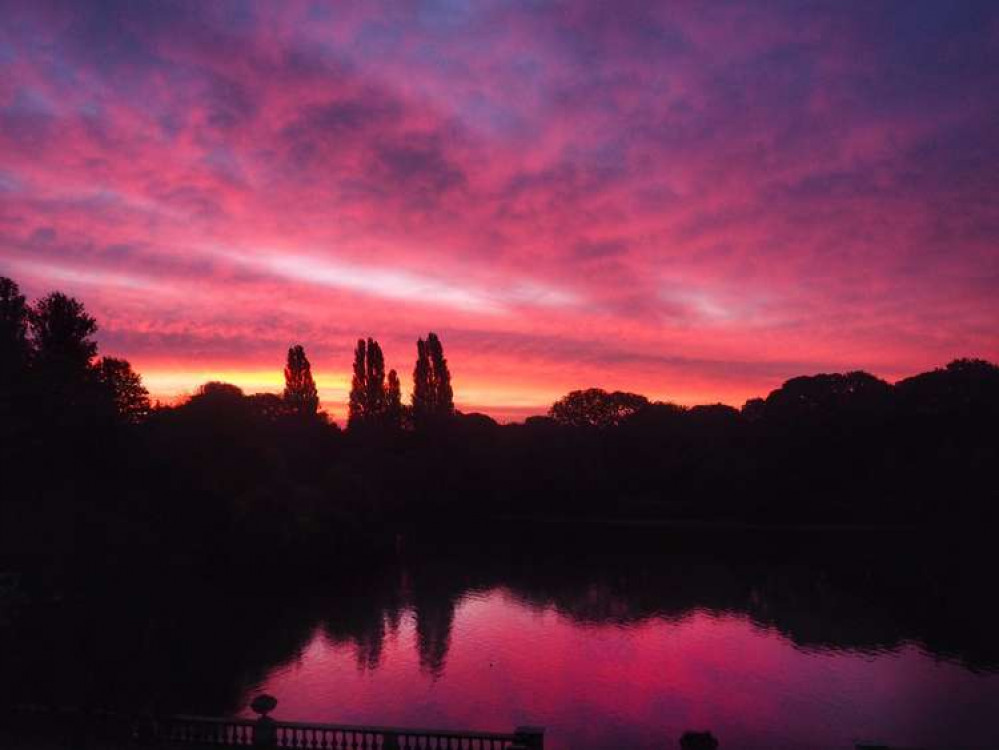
(691, 201)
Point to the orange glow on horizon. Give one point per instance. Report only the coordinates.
(504, 402)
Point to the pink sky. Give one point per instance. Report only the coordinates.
(692, 201)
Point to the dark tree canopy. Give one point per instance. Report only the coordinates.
(422, 383)
(300, 392)
(13, 328)
(217, 392)
(370, 395)
(818, 396)
(442, 377)
(220, 404)
(433, 396)
(395, 412)
(61, 332)
(359, 385)
(596, 407)
(63, 385)
(124, 387)
(269, 406)
(375, 382)
(964, 385)
(754, 409)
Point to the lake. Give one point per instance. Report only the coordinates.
(608, 638)
(629, 648)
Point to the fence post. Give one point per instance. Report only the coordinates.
(265, 730)
(531, 738)
(390, 741)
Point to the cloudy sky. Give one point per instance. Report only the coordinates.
(691, 200)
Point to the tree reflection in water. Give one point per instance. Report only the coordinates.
(199, 645)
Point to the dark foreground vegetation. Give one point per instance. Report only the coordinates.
(90, 469)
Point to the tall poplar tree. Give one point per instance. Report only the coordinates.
(394, 411)
(375, 383)
(358, 386)
(444, 394)
(369, 395)
(300, 392)
(423, 388)
(433, 396)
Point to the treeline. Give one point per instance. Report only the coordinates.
(89, 464)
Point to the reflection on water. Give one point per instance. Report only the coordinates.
(635, 685)
(608, 639)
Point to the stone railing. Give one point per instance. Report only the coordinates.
(102, 729)
(77, 729)
(197, 731)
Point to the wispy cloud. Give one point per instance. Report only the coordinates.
(395, 284)
(57, 273)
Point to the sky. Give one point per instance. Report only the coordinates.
(691, 200)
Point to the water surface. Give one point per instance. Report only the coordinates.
(630, 646)
(607, 637)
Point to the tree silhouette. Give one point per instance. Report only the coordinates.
(368, 394)
(13, 330)
(375, 383)
(442, 377)
(358, 385)
(217, 389)
(64, 382)
(433, 397)
(394, 410)
(124, 387)
(299, 387)
(965, 385)
(596, 407)
(423, 389)
(14, 355)
(219, 399)
(61, 332)
(827, 396)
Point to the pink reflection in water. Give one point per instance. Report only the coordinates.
(639, 685)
